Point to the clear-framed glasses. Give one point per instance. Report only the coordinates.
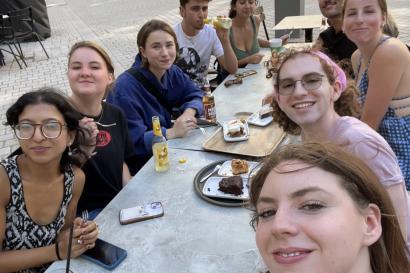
(310, 82)
(50, 129)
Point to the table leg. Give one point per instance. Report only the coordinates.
(309, 35)
(2, 59)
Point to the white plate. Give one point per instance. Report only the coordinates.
(254, 119)
(228, 138)
(226, 169)
(212, 185)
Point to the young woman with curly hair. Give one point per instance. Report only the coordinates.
(313, 98)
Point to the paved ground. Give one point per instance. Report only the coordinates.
(114, 24)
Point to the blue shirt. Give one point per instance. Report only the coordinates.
(140, 106)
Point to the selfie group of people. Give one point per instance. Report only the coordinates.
(336, 202)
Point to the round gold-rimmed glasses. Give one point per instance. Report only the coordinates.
(50, 129)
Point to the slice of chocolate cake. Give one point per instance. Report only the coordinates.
(232, 185)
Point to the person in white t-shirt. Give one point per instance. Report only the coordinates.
(198, 41)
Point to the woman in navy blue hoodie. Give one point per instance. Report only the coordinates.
(154, 86)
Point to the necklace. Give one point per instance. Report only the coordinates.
(101, 115)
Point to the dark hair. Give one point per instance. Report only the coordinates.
(148, 28)
(389, 253)
(101, 51)
(182, 3)
(52, 96)
(232, 11)
(346, 105)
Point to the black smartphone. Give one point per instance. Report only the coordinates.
(105, 254)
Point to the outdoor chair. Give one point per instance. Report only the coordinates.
(7, 38)
(259, 11)
(23, 25)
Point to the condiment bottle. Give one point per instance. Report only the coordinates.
(208, 102)
(159, 147)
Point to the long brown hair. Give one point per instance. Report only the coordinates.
(389, 253)
(346, 105)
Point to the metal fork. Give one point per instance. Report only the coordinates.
(202, 130)
(84, 215)
(106, 125)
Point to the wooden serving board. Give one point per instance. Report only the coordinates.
(262, 141)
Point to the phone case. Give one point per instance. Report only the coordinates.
(105, 254)
(141, 213)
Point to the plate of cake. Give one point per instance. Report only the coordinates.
(262, 117)
(237, 167)
(232, 187)
(235, 130)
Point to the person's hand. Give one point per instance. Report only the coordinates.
(256, 58)
(84, 236)
(268, 99)
(223, 34)
(285, 39)
(90, 129)
(182, 125)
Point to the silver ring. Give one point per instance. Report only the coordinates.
(79, 242)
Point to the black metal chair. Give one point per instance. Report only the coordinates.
(7, 38)
(23, 25)
(259, 11)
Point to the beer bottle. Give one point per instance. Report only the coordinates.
(208, 102)
(159, 147)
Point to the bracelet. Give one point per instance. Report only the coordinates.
(57, 251)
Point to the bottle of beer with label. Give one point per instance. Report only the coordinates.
(208, 102)
(159, 147)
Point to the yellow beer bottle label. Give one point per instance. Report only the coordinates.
(157, 128)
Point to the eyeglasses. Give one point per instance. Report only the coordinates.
(310, 82)
(50, 130)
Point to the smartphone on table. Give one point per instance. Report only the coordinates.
(105, 254)
(141, 213)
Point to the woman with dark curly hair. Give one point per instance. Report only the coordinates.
(317, 208)
(312, 98)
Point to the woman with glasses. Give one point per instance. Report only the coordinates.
(90, 75)
(40, 188)
(317, 208)
(312, 98)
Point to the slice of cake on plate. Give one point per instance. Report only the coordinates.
(231, 185)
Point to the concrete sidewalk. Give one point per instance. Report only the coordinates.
(114, 24)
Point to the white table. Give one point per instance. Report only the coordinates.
(230, 102)
(193, 236)
(304, 22)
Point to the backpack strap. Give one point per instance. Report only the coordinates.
(151, 88)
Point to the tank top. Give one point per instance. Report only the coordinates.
(21, 231)
(240, 54)
(394, 128)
